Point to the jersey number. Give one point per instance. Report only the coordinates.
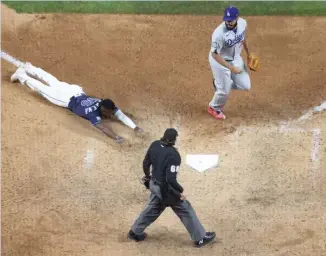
(175, 168)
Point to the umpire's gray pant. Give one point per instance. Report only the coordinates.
(184, 210)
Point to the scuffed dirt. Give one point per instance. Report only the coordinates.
(68, 190)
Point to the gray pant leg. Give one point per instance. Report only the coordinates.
(220, 96)
(189, 218)
(241, 81)
(152, 211)
(222, 84)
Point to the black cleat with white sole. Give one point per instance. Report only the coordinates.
(135, 237)
(209, 237)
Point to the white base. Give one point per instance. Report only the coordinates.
(201, 162)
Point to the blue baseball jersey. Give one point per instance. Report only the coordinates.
(86, 107)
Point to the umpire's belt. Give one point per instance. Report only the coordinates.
(156, 182)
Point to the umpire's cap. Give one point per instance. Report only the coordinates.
(170, 136)
(108, 104)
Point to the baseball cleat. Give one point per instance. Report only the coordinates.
(137, 238)
(216, 113)
(209, 237)
(19, 72)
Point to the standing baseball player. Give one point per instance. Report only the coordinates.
(73, 97)
(167, 192)
(228, 68)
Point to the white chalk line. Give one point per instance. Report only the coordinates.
(314, 171)
(283, 128)
(89, 158)
(90, 155)
(310, 112)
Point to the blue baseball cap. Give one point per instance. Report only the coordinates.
(230, 13)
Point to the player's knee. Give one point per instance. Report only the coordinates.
(244, 85)
(247, 86)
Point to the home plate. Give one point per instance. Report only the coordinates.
(202, 162)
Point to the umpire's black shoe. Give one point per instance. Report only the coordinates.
(137, 238)
(209, 237)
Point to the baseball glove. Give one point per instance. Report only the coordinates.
(253, 62)
(145, 181)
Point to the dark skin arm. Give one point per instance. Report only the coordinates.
(109, 132)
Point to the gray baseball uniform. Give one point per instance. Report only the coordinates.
(228, 44)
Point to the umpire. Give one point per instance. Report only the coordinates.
(167, 192)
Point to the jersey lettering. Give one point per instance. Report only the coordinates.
(88, 102)
(237, 39)
(229, 43)
(92, 108)
(86, 107)
(175, 168)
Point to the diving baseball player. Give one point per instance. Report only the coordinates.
(73, 97)
(228, 68)
(165, 161)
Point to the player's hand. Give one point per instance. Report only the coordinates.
(138, 130)
(119, 140)
(235, 70)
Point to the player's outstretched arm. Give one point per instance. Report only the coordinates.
(127, 121)
(109, 132)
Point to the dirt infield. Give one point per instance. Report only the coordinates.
(68, 190)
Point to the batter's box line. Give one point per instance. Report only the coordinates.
(314, 170)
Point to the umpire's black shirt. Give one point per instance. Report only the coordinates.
(165, 161)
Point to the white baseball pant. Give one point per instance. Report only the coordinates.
(55, 91)
(224, 81)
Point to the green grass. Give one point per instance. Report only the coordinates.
(300, 8)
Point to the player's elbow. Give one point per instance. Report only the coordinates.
(146, 165)
(99, 126)
(214, 53)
